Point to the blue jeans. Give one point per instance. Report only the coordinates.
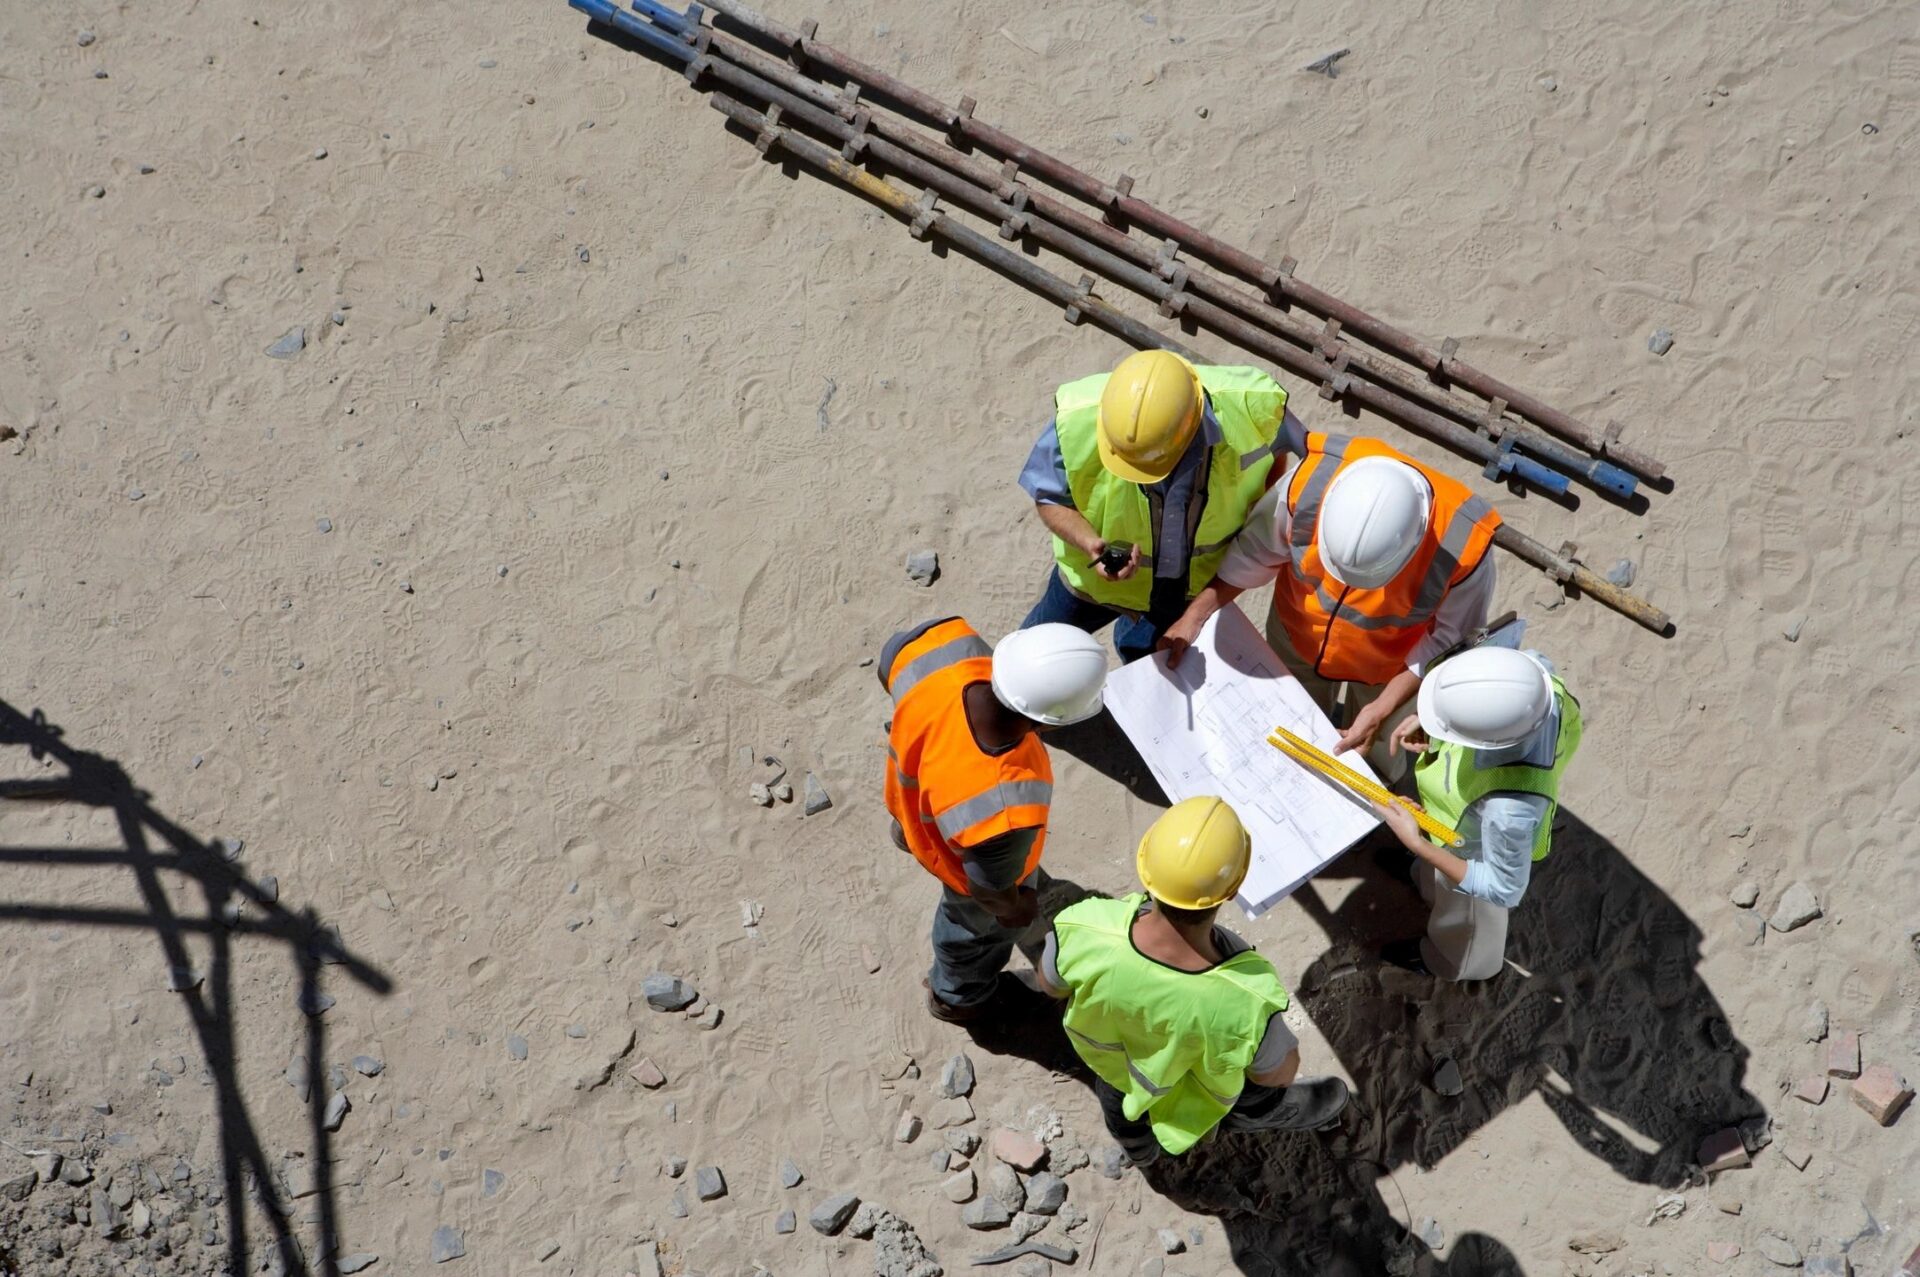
(1133, 636)
(971, 948)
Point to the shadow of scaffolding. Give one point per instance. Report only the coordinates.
(156, 851)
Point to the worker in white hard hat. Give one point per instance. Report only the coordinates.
(1178, 1018)
(1378, 565)
(1143, 477)
(1495, 731)
(970, 786)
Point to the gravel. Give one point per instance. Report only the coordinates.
(667, 993)
(817, 798)
(1798, 906)
(289, 345)
(956, 1077)
(447, 1244)
(830, 1216)
(923, 567)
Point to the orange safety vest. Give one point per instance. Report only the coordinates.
(947, 793)
(1365, 636)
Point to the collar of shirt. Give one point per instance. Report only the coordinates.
(1203, 441)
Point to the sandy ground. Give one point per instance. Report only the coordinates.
(621, 444)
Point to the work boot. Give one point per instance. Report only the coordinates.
(1307, 1105)
(948, 1013)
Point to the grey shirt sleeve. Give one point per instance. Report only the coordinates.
(995, 864)
(1278, 1040)
(1048, 968)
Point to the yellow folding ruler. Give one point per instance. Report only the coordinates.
(1305, 751)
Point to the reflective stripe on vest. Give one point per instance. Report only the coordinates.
(1249, 407)
(1450, 779)
(947, 793)
(1175, 1044)
(1365, 636)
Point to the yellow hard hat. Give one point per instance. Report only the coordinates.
(1196, 855)
(1148, 414)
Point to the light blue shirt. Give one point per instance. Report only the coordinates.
(1500, 829)
(1044, 478)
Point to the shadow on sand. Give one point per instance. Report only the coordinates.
(222, 908)
(1601, 1012)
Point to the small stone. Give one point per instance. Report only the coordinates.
(359, 1261)
(1792, 633)
(785, 1223)
(447, 1244)
(760, 794)
(47, 1167)
(135, 494)
(269, 886)
(1729, 1203)
(339, 318)
(907, 1129)
(576, 1031)
(647, 1074)
(492, 1181)
(1171, 1242)
(1019, 1149)
(1843, 1055)
(182, 979)
(783, 792)
(667, 993)
(145, 170)
(1025, 1225)
(516, 1047)
(406, 587)
(84, 39)
(1621, 573)
(1745, 895)
(678, 1206)
(942, 1160)
(1661, 341)
(1003, 1184)
(1550, 84)
(1798, 906)
(336, 1111)
(957, 1111)
(1723, 1252)
(923, 567)
(985, 1213)
(21, 1186)
(1756, 1133)
(711, 1020)
(1814, 1026)
(104, 1108)
(1778, 1250)
(1430, 1233)
(367, 1066)
(1828, 1266)
(675, 1166)
(1202, 112)
(1724, 1150)
(1446, 1078)
(956, 1076)
(319, 152)
(830, 1216)
(955, 1188)
(790, 1176)
(1882, 1093)
(97, 192)
(709, 1183)
(1812, 1089)
(865, 1221)
(75, 1172)
(1796, 1158)
(817, 799)
(1046, 1193)
(1114, 1161)
(289, 345)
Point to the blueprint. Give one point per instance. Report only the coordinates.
(1202, 729)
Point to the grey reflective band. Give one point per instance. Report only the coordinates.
(1453, 544)
(1226, 1101)
(1133, 1070)
(969, 812)
(1200, 551)
(1306, 510)
(906, 781)
(1250, 459)
(951, 652)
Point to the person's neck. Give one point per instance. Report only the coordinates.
(994, 726)
(1186, 945)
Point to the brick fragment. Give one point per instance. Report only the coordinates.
(1021, 1150)
(1882, 1093)
(1723, 1252)
(1724, 1150)
(1843, 1055)
(1812, 1089)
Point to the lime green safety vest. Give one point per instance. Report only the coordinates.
(1449, 782)
(1247, 403)
(1175, 1044)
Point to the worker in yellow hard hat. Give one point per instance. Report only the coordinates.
(1179, 1019)
(1143, 476)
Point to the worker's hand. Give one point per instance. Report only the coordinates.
(1180, 636)
(1409, 735)
(1132, 565)
(1016, 910)
(1366, 726)
(1398, 816)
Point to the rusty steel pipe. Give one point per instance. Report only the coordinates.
(924, 220)
(1277, 282)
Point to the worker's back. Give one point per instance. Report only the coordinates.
(1176, 1044)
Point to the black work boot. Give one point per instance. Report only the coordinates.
(1307, 1105)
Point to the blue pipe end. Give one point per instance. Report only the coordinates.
(1531, 471)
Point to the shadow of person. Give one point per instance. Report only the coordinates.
(1100, 744)
(1601, 1013)
(189, 890)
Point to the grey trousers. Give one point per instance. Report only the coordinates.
(971, 948)
(1466, 936)
(1326, 694)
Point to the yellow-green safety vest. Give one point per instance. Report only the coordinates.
(1249, 406)
(1449, 781)
(1175, 1044)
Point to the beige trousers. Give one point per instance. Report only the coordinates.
(1326, 694)
(1466, 936)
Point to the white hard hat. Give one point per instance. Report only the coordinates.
(1486, 698)
(1374, 517)
(1054, 674)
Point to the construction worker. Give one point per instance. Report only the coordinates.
(969, 784)
(1379, 564)
(1178, 1018)
(1143, 476)
(1495, 731)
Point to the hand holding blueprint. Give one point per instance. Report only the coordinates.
(1202, 729)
